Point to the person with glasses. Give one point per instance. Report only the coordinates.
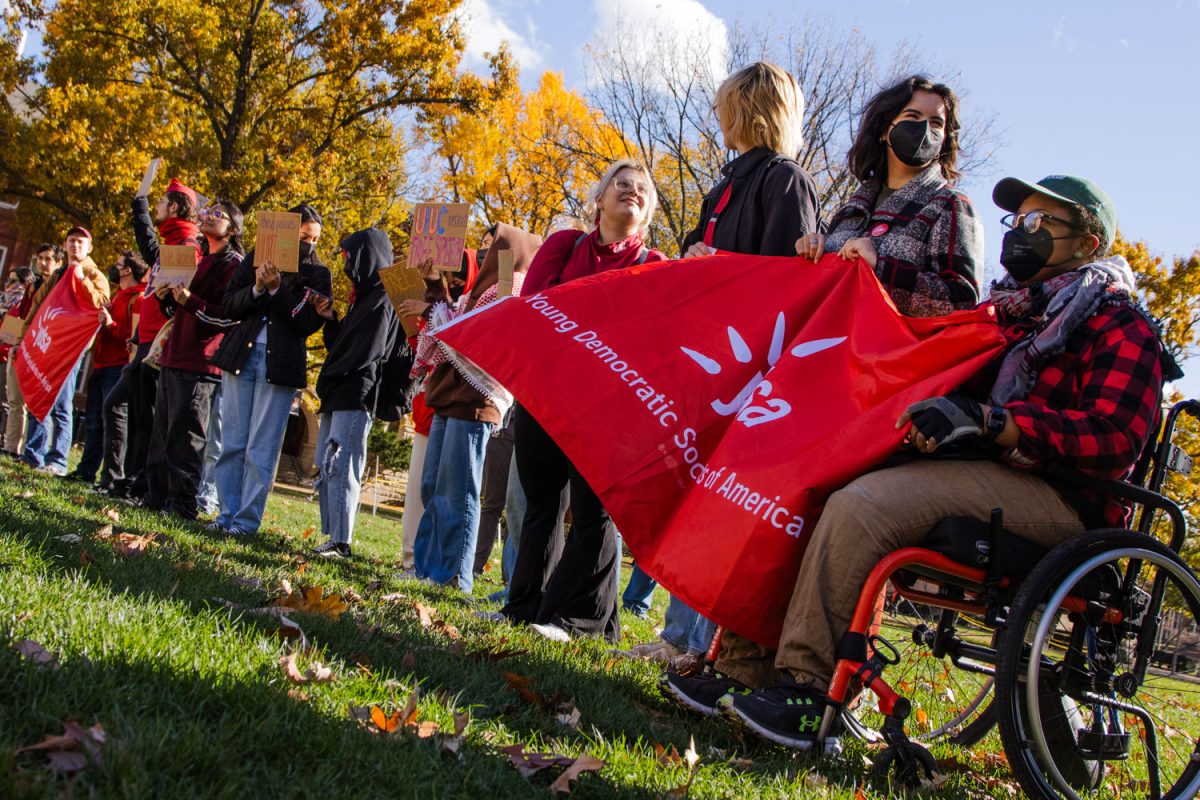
(559, 588)
(1078, 386)
(187, 378)
(906, 220)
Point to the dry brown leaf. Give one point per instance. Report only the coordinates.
(309, 531)
(375, 719)
(298, 694)
(25, 495)
(317, 673)
(24, 616)
(446, 628)
(85, 558)
(461, 721)
(532, 763)
(111, 513)
(78, 499)
(72, 750)
(313, 601)
(130, 544)
(584, 763)
(424, 614)
(569, 716)
(408, 662)
(427, 729)
(394, 597)
(668, 758)
(35, 652)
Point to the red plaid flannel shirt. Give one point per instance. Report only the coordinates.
(1096, 406)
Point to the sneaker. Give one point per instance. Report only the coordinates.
(409, 574)
(551, 632)
(59, 472)
(700, 693)
(660, 650)
(216, 527)
(332, 549)
(493, 616)
(787, 713)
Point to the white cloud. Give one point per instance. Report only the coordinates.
(683, 30)
(486, 29)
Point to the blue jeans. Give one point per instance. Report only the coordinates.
(98, 387)
(444, 551)
(341, 457)
(206, 495)
(37, 435)
(254, 416)
(639, 593)
(686, 629)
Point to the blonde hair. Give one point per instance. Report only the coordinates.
(762, 106)
(609, 174)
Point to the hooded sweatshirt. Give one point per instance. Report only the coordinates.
(173, 231)
(358, 344)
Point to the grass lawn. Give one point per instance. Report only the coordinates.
(195, 703)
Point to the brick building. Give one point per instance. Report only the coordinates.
(14, 250)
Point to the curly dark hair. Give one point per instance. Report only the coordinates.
(868, 154)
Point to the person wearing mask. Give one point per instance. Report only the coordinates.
(575, 592)
(187, 379)
(43, 452)
(349, 384)
(906, 220)
(1079, 385)
(463, 421)
(110, 354)
(173, 222)
(764, 200)
(18, 286)
(265, 362)
(46, 262)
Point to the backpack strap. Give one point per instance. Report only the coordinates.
(643, 253)
(578, 242)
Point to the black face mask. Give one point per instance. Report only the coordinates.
(1024, 254)
(306, 250)
(114, 275)
(915, 143)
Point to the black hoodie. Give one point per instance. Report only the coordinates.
(359, 343)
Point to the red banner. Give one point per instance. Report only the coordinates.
(713, 404)
(60, 332)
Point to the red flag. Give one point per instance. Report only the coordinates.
(713, 404)
(61, 330)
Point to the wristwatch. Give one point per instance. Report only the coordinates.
(997, 419)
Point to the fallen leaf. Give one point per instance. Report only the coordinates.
(690, 755)
(85, 558)
(424, 614)
(78, 499)
(408, 662)
(668, 758)
(569, 717)
(373, 586)
(104, 532)
(25, 495)
(248, 583)
(532, 763)
(25, 616)
(298, 694)
(72, 750)
(858, 794)
(394, 597)
(111, 513)
(317, 673)
(426, 729)
(584, 763)
(288, 630)
(312, 601)
(375, 719)
(130, 544)
(35, 652)
(309, 531)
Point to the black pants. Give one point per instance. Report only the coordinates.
(143, 391)
(579, 592)
(99, 384)
(496, 463)
(116, 430)
(175, 461)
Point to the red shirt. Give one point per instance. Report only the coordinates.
(110, 344)
(564, 257)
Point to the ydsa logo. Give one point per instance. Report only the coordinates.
(754, 404)
(41, 337)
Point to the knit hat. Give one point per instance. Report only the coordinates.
(176, 186)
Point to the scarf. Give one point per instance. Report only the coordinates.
(1058, 306)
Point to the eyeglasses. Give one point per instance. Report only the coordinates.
(637, 187)
(1032, 221)
(213, 213)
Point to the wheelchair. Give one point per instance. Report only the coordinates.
(1075, 653)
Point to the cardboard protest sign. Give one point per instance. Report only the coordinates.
(504, 286)
(403, 283)
(148, 178)
(10, 329)
(439, 231)
(176, 265)
(278, 240)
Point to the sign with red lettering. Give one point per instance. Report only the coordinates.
(439, 233)
(739, 405)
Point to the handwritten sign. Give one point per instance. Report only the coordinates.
(278, 240)
(176, 265)
(148, 178)
(504, 286)
(403, 283)
(439, 231)
(10, 329)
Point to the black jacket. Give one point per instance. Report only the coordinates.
(360, 343)
(287, 335)
(774, 203)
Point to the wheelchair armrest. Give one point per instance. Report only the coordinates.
(1127, 491)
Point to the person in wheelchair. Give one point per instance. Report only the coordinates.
(1078, 386)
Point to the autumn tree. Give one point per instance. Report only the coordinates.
(526, 158)
(267, 103)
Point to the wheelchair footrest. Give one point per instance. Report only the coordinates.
(1103, 746)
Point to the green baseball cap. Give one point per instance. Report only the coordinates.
(1070, 189)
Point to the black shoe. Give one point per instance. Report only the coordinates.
(700, 692)
(332, 549)
(76, 475)
(786, 714)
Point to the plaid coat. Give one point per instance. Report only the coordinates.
(929, 241)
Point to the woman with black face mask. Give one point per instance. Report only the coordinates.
(264, 362)
(906, 220)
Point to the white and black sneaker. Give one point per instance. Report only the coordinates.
(332, 549)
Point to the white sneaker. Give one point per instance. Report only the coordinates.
(551, 632)
(660, 651)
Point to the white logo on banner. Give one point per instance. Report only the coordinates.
(753, 404)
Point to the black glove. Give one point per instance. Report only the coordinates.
(947, 419)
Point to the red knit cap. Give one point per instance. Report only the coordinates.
(176, 186)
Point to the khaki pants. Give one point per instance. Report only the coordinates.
(874, 515)
(14, 429)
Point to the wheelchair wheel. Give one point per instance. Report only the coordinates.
(947, 702)
(1097, 630)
